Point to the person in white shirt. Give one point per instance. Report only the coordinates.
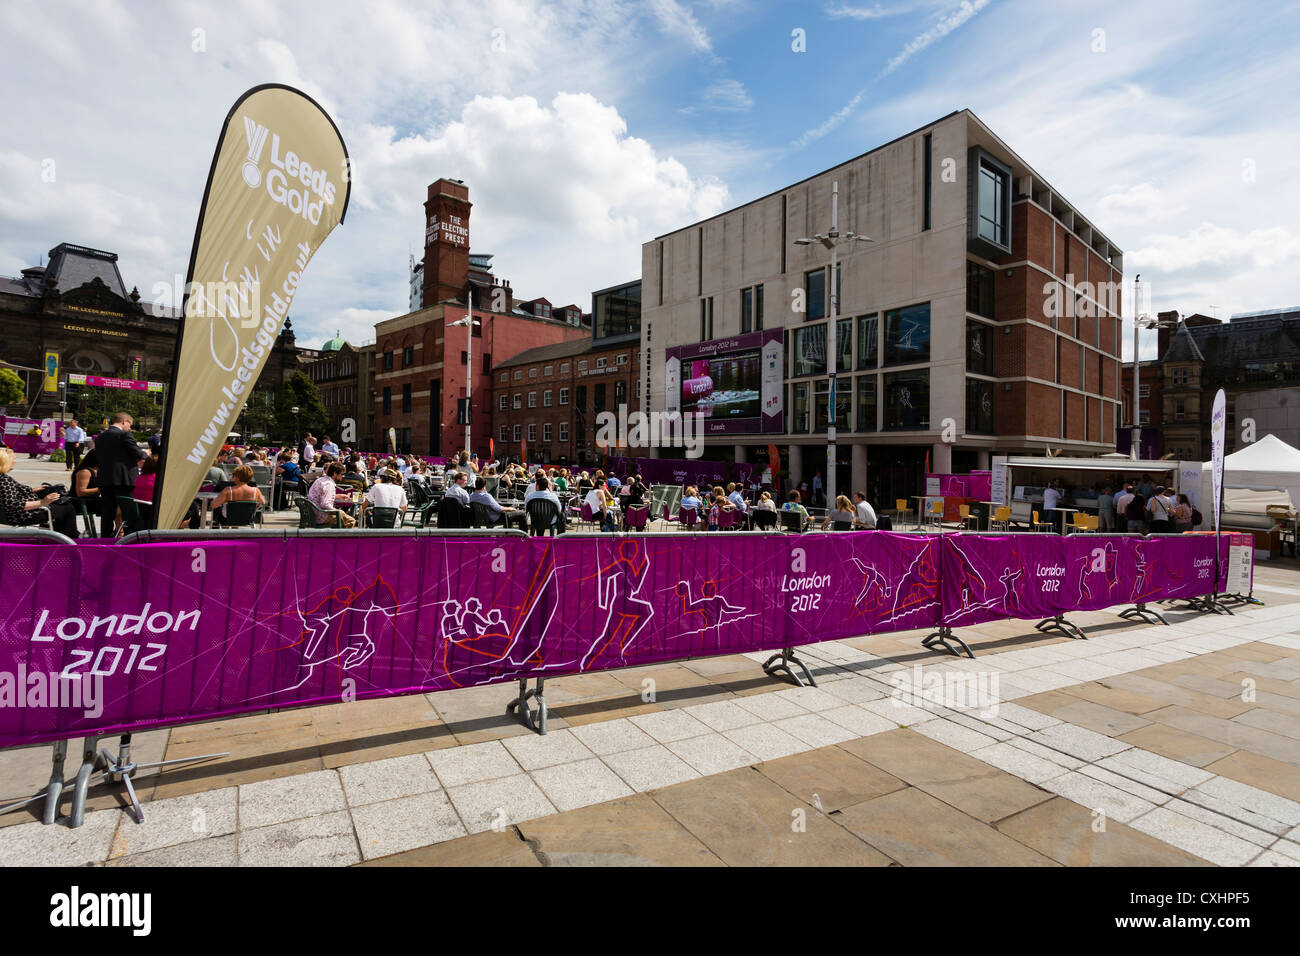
(1051, 499)
(1121, 501)
(866, 515)
(308, 450)
(388, 493)
(600, 502)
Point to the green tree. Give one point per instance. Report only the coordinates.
(302, 392)
(95, 404)
(12, 391)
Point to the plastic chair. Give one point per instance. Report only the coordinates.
(84, 511)
(586, 515)
(238, 514)
(1001, 520)
(482, 516)
(689, 518)
(453, 514)
(307, 512)
(378, 517)
(1042, 527)
(668, 517)
(791, 521)
(543, 517)
(726, 520)
(1078, 522)
(901, 510)
(967, 519)
(842, 526)
(934, 515)
(132, 514)
(763, 519)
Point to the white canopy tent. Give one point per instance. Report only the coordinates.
(1263, 465)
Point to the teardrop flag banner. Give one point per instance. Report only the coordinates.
(279, 184)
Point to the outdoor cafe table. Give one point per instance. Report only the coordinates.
(1065, 522)
(207, 498)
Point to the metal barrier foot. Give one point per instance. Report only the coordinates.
(1059, 623)
(54, 791)
(781, 662)
(532, 719)
(941, 637)
(1140, 612)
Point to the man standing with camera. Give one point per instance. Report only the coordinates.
(119, 464)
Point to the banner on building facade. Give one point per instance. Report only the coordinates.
(279, 184)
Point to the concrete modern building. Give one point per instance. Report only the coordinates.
(983, 318)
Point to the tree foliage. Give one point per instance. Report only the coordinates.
(12, 391)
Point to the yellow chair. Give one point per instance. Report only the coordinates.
(934, 514)
(1001, 520)
(967, 519)
(1094, 523)
(1079, 523)
(1042, 527)
(901, 511)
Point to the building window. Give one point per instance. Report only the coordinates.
(1144, 416)
(866, 417)
(564, 431)
(616, 312)
(564, 396)
(516, 434)
(1180, 409)
(388, 361)
(582, 365)
(979, 348)
(601, 361)
(979, 289)
(927, 180)
(548, 370)
(501, 403)
(1144, 391)
(504, 433)
(706, 319)
(991, 219)
(464, 357)
(532, 432)
(532, 372)
(546, 431)
(546, 399)
(907, 401)
(620, 359)
(821, 402)
(505, 376)
(517, 400)
(406, 398)
(979, 406)
(814, 284)
(868, 341)
(388, 400)
(408, 356)
(519, 375)
(564, 368)
(600, 397)
(751, 309)
(487, 363)
(580, 398)
(620, 393)
(907, 335)
(532, 399)
(801, 419)
(809, 354)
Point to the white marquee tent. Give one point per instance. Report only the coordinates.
(1266, 464)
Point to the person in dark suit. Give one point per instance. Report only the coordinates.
(119, 465)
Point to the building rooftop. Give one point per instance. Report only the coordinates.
(546, 353)
(1227, 347)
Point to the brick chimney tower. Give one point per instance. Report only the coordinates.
(446, 241)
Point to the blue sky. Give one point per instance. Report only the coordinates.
(585, 129)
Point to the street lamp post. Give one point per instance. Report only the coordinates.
(831, 241)
(469, 322)
(296, 436)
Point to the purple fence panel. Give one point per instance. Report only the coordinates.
(987, 578)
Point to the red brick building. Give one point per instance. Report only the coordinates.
(547, 399)
(422, 358)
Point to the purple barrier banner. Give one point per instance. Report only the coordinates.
(988, 578)
(109, 639)
(15, 434)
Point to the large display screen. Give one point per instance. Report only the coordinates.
(723, 387)
(734, 384)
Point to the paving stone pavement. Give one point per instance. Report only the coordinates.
(1144, 745)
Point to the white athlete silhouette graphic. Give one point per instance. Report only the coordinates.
(712, 608)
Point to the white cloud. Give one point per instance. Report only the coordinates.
(724, 96)
(876, 12)
(1142, 202)
(678, 21)
(1212, 245)
(946, 25)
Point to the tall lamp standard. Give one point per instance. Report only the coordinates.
(469, 322)
(296, 436)
(1142, 321)
(831, 241)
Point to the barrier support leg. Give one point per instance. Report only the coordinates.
(532, 719)
(89, 758)
(781, 663)
(54, 791)
(1059, 623)
(1140, 612)
(941, 637)
(119, 769)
